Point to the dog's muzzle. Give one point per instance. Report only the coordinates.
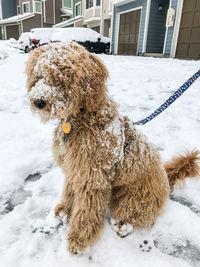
(40, 104)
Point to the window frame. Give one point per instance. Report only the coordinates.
(18, 10)
(89, 2)
(35, 7)
(67, 6)
(77, 4)
(99, 3)
(23, 4)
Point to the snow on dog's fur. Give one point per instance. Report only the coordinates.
(107, 162)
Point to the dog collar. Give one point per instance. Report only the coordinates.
(67, 128)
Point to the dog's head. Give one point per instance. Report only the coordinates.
(64, 78)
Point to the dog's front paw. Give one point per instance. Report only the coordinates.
(60, 210)
(121, 228)
(75, 244)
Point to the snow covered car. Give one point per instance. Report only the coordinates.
(90, 39)
(24, 42)
(40, 36)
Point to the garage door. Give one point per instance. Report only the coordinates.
(129, 32)
(12, 32)
(189, 35)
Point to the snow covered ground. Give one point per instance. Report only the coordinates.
(31, 185)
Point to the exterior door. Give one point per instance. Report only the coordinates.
(157, 29)
(129, 32)
(188, 45)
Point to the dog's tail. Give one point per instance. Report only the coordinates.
(183, 166)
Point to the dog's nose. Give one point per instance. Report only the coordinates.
(39, 103)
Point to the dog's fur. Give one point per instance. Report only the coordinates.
(106, 160)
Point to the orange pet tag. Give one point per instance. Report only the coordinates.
(66, 126)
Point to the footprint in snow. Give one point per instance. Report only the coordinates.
(146, 246)
(185, 202)
(184, 249)
(20, 195)
(48, 230)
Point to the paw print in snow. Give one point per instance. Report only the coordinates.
(146, 246)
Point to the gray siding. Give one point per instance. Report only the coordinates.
(123, 8)
(170, 32)
(50, 12)
(9, 8)
(31, 23)
(58, 13)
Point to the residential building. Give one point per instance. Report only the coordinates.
(77, 18)
(107, 10)
(7, 9)
(156, 27)
(34, 14)
(94, 14)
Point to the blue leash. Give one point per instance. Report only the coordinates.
(171, 99)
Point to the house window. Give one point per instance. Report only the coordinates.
(67, 3)
(98, 2)
(78, 9)
(89, 3)
(38, 7)
(26, 7)
(18, 10)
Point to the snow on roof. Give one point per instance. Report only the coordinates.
(67, 11)
(115, 2)
(17, 18)
(67, 22)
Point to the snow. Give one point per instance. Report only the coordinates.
(67, 35)
(16, 18)
(78, 34)
(3, 54)
(31, 185)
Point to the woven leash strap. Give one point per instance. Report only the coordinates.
(170, 100)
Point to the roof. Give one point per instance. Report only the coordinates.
(67, 11)
(17, 18)
(67, 22)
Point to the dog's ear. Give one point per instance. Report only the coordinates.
(96, 89)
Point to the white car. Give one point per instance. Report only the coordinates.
(24, 42)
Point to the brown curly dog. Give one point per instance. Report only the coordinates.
(107, 162)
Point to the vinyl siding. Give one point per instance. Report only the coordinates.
(88, 13)
(58, 13)
(31, 23)
(97, 12)
(9, 8)
(126, 7)
(106, 8)
(50, 12)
